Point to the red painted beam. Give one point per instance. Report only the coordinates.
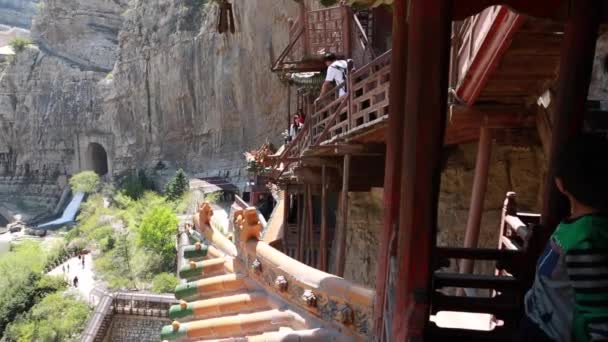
(551, 9)
(424, 127)
(392, 168)
(493, 47)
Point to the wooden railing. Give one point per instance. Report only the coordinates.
(328, 30)
(500, 294)
(313, 34)
(333, 116)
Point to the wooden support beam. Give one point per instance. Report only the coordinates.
(323, 239)
(392, 169)
(342, 228)
(320, 162)
(300, 227)
(578, 51)
(310, 222)
(480, 183)
(424, 128)
(466, 121)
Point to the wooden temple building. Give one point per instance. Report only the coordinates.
(429, 74)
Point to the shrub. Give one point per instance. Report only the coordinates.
(19, 44)
(157, 232)
(135, 186)
(177, 186)
(21, 284)
(86, 181)
(55, 318)
(164, 283)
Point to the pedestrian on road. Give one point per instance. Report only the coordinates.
(76, 281)
(68, 267)
(63, 268)
(83, 262)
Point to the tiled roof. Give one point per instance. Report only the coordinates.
(249, 291)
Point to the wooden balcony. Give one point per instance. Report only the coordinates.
(313, 34)
(489, 86)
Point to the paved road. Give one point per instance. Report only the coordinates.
(86, 282)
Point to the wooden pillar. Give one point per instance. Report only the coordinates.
(323, 238)
(480, 184)
(304, 23)
(392, 165)
(424, 128)
(301, 226)
(310, 244)
(288, 106)
(341, 233)
(576, 63)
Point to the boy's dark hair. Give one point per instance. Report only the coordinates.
(582, 166)
(329, 57)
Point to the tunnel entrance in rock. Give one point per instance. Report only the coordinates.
(97, 159)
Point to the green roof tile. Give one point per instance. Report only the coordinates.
(186, 290)
(187, 272)
(169, 334)
(176, 311)
(191, 252)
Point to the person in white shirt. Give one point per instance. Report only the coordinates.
(336, 74)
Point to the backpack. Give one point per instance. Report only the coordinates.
(345, 71)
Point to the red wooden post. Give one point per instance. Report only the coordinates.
(342, 228)
(576, 63)
(323, 239)
(424, 128)
(306, 31)
(480, 183)
(392, 168)
(346, 29)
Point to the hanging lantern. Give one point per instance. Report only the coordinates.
(225, 17)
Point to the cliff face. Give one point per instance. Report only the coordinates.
(148, 81)
(18, 13)
(191, 97)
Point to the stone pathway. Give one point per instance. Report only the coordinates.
(86, 281)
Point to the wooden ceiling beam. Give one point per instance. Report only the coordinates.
(550, 9)
(465, 122)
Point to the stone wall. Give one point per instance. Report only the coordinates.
(519, 169)
(126, 328)
(365, 210)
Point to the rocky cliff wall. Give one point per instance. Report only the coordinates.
(18, 13)
(519, 168)
(149, 81)
(189, 96)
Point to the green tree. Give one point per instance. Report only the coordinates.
(177, 186)
(157, 232)
(55, 318)
(19, 44)
(86, 181)
(164, 283)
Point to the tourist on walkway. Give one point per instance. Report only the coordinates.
(83, 262)
(76, 281)
(295, 127)
(337, 71)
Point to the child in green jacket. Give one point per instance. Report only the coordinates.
(569, 298)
